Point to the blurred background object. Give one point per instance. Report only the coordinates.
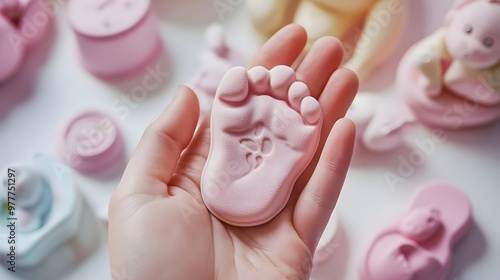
(369, 29)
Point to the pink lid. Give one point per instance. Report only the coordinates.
(102, 18)
(91, 142)
(11, 55)
(117, 39)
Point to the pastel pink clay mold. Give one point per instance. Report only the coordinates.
(117, 38)
(264, 131)
(418, 245)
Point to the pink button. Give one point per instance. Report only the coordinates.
(117, 38)
(11, 54)
(91, 142)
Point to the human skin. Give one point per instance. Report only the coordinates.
(159, 227)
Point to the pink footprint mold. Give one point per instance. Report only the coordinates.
(418, 244)
(448, 80)
(91, 142)
(117, 39)
(216, 59)
(23, 25)
(264, 131)
(46, 212)
(328, 243)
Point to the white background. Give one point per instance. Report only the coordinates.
(32, 114)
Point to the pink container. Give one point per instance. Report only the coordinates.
(117, 39)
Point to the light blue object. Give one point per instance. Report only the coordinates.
(52, 209)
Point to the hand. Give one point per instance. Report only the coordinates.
(159, 227)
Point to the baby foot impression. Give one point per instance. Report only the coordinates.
(264, 131)
(418, 245)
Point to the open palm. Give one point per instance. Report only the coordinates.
(159, 227)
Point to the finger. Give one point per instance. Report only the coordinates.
(282, 48)
(321, 61)
(192, 162)
(158, 151)
(319, 197)
(334, 101)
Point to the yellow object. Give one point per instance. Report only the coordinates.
(379, 24)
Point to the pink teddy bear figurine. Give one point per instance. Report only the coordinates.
(450, 79)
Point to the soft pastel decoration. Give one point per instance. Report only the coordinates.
(418, 244)
(265, 128)
(371, 29)
(47, 209)
(91, 142)
(450, 80)
(117, 39)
